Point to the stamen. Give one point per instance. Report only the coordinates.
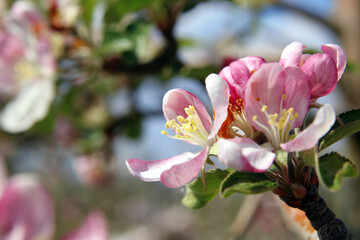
(189, 129)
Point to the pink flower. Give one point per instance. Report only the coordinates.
(26, 210)
(323, 70)
(236, 76)
(188, 118)
(94, 227)
(28, 68)
(276, 101)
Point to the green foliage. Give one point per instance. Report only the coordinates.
(309, 157)
(196, 196)
(333, 167)
(246, 183)
(351, 121)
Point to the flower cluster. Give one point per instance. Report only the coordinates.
(259, 108)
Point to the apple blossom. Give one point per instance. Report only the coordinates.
(188, 118)
(94, 227)
(26, 210)
(323, 70)
(237, 75)
(276, 100)
(28, 67)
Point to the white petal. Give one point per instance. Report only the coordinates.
(309, 137)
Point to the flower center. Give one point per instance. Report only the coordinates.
(25, 71)
(237, 123)
(189, 129)
(279, 124)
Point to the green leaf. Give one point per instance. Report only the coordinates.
(247, 183)
(309, 157)
(196, 196)
(333, 167)
(351, 121)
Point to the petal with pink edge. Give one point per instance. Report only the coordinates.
(338, 55)
(252, 62)
(218, 91)
(176, 100)
(243, 154)
(309, 137)
(268, 85)
(26, 210)
(236, 75)
(292, 54)
(172, 172)
(322, 74)
(94, 227)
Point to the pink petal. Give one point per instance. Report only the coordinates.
(252, 62)
(26, 210)
(94, 227)
(172, 172)
(309, 137)
(322, 74)
(175, 101)
(236, 75)
(11, 48)
(338, 56)
(291, 55)
(267, 87)
(218, 92)
(243, 154)
(297, 93)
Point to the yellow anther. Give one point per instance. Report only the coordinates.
(296, 115)
(264, 108)
(181, 119)
(255, 118)
(164, 132)
(284, 112)
(290, 110)
(283, 96)
(271, 122)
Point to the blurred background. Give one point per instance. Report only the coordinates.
(107, 65)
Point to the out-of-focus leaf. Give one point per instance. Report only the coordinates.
(352, 66)
(196, 196)
(351, 121)
(118, 8)
(87, 9)
(246, 183)
(333, 167)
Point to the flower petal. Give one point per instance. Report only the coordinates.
(252, 62)
(243, 154)
(94, 227)
(322, 74)
(267, 87)
(26, 210)
(338, 56)
(176, 100)
(310, 136)
(291, 55)
(218, 91)
(172, 172)
(29, 106)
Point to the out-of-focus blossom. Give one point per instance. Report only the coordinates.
(28, 68)
(97, 23)
(63, 13)
(26, 210)
(323, 70)
(188, 118)
(94, 227)
(92, 170)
